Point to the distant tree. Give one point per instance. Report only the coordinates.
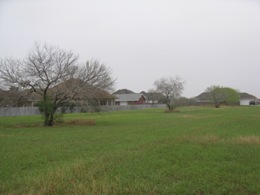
(56, 76)
(222, 95)
(154, 96)
(183, 101)
(151, 96)
(17, 97)
(170, 87)
(14, 97)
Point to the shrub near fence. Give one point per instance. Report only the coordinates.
(26, 111)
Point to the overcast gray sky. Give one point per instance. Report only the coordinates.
(205, 42)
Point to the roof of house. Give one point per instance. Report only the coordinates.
(83, 89)
(247, 96)
(204, 96)
(207, 96)
(101, 94)
(129, 97)
(123, 91)
(153, 95)
(2, 92)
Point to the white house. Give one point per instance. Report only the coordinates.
(245, 98)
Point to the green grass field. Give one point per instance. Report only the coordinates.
(199, 150)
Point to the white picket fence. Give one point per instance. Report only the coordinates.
(26, 111)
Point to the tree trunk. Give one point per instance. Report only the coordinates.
(217, 104)
(51, 122)
(169, 103)
(48, 119)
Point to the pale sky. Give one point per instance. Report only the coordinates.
(205, 42)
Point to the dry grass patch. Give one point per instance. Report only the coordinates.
(192, 116)
(247, 140)
(202, 139)
(6, 135)
(78, 178)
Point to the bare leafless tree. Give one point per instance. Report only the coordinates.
(170, 87)
(56, 76)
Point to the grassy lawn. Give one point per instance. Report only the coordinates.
(199, 150)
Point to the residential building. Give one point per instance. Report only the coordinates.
(245, 98)
(130, 99)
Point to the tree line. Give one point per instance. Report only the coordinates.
(58, 78)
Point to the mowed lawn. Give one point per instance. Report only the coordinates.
(199, 150)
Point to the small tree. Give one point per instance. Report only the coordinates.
(170, 87)
(222, 95)
(56, 76)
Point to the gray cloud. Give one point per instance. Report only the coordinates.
(204, 42)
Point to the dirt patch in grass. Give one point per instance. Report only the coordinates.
(81, 122)
(27, 125)
(172, 111)
(58, 123)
